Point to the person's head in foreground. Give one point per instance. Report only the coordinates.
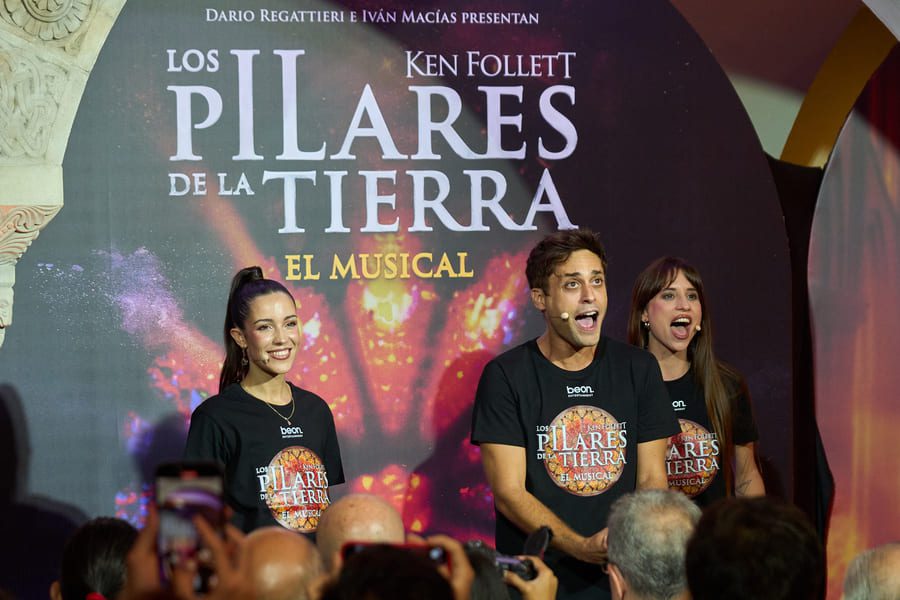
(388, 572)
(874, 574)
(751, 548)
(94, 560)
(648, 535)
(356, 518)
(284, 564)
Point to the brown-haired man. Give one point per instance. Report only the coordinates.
(570, 421)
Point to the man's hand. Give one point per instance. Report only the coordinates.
(542, 587)
(594, 549)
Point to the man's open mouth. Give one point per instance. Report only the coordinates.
(587, 320)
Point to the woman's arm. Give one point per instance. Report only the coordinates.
(747, 479)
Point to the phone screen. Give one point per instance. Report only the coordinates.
(184, 490)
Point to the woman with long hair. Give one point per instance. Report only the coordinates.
(715, 454)
(276, 442)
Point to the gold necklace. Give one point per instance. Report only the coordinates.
(286, 418)
(275, 410)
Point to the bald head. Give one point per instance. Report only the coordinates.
(357, 518)
(874, 574)
(283, 563)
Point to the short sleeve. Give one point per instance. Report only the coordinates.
(495, 417)
(656, 417)
(332, 452)
(206, 440)
(744, 429)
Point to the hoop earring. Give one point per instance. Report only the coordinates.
(244, 361)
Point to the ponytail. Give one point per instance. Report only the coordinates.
(246, 285)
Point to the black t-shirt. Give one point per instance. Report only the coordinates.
(275, 472)
(579, 430)
(693, 456)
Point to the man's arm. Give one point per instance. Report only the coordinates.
(747, 479)
(505, 469)
(651, 465)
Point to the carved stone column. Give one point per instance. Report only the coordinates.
(47, 50)
(19, 225)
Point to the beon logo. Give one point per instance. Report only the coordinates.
(580, 390)
(291, 431)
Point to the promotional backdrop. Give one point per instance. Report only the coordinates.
(392, 164)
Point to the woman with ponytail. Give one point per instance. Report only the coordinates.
(714, 455)
(276, 442)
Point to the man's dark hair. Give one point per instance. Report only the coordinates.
(385, 572)
(749, 548)
(555, 249)
(648, 534)
(94, 558)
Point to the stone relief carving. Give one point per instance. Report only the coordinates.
(19, 226)
(29, 103)
(48, 20)
(47, 48)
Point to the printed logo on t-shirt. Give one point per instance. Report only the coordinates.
(692, 458)
(579, 391)
(679, 405)
(291, 432)
(294, 485)
(583, 450)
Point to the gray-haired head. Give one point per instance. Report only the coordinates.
(874, 574)
(648, 535)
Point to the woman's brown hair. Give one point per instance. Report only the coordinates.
(709, 374)
(247, 284)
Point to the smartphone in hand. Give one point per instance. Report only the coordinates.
(184, 490)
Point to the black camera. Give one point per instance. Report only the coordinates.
(535, 545)
(522, 567)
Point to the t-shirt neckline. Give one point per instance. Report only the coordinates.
(598, 355)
